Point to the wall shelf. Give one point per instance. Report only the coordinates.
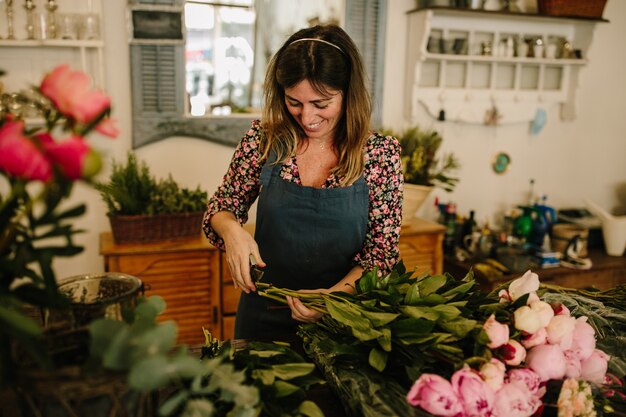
(470, 62)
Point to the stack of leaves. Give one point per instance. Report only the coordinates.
(257, 380)
(402, 326)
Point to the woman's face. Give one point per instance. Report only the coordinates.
(317, 114)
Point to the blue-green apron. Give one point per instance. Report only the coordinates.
(308, 237)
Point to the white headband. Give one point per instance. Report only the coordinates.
(318, 40)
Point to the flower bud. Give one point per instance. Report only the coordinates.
(498, 333)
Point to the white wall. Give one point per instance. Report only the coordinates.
(568, 160)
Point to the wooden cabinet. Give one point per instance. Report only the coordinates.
(421, 246)
(186, 273)
(192, 276)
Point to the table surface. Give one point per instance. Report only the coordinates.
(602, 263)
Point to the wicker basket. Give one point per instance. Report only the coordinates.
(578, 8)
(136, 229)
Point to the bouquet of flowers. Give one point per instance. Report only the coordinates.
(38, 165)
(540, 346)
(434, 345)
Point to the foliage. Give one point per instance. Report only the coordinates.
(38, 167)
(133, 190)
(379, 341)
(420, 163)
(259, 379)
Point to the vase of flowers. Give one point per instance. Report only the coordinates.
(423, 168)
(38, 168)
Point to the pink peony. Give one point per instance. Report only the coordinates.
(527, 320)
(528, 377)
(434, 394)
(560, 309)
(20, 156)
(583, 339)
(71, 93)
(573, 366)
(593, 369)
(538, 338)
(544, 311)
(498, 333)
(474, 393)
(512, 353)
(526, 284)
(492, 373)
(548, 361)
(561, 331)
(515, 400)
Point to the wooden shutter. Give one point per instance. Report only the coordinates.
(366, 24)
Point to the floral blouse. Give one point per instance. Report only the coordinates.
(382, 173)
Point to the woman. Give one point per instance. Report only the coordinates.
(330, 190)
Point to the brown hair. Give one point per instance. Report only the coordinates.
(327, 67)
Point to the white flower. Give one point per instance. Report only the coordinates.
(527, 283)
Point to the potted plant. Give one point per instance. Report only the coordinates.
(142, 208)
(423, 167)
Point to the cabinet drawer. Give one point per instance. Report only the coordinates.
(420, 251)
(230, 298)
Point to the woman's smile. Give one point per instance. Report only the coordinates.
(318, 114)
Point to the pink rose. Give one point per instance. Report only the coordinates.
(498, 333)
(527, 320)
(475, 395)
(527, 377)
(583, 339)
(561, 331)
(70, 91)
(70, 155)
(593, 369)
(527, 283)
(19, 156)
(548, 361)
(515, 400)
(434, 394)
(538, 338)
(512, 353)
(108, 128)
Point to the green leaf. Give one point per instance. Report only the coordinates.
(412, 296)
(447, 312)
(292, 370)
(431, 284)
(266, 376)
(417, 312)
(379, 319)
(411, 326)
(159, 339)
(149, 308)
(174, 402)
(460, 289)
(385, 339)
(378, 359)
(368, 281)
(102, 332)
(149, 374)
(284, 389)
(18, 324)
(459, 327)
(310, 409)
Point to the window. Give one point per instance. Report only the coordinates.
(230, 42)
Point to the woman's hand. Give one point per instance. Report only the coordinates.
(240, 248)
(302, 313)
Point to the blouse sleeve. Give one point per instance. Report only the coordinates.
(383, 173)
(240, 186)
